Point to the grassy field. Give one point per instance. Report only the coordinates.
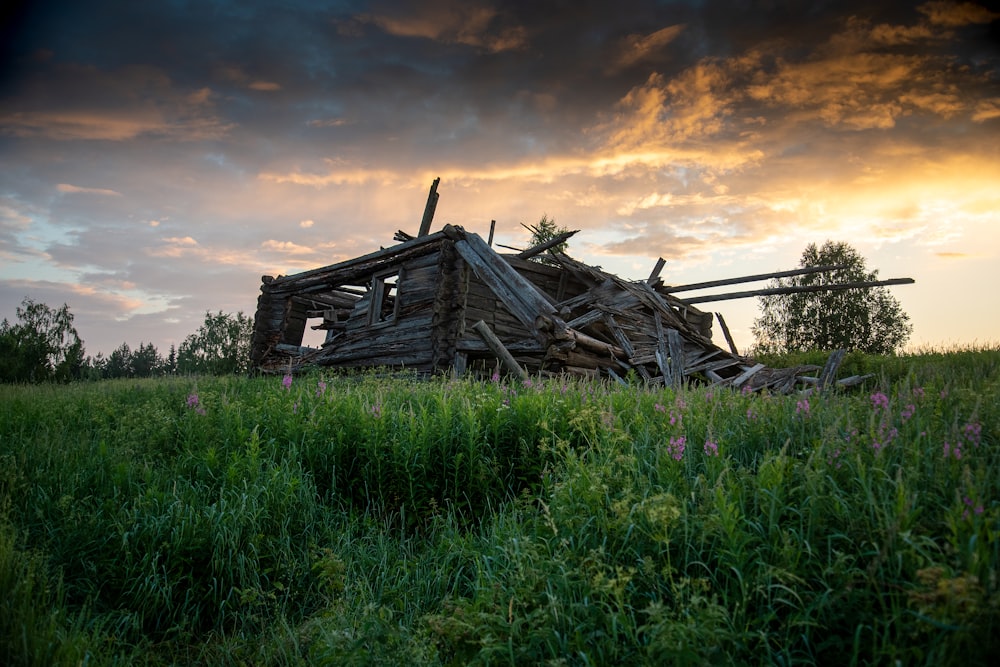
(332, 521)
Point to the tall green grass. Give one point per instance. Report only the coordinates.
(339, 520)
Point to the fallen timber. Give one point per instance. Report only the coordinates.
(448, 302)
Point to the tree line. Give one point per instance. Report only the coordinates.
(43, 345)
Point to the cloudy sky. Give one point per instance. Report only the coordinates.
(157, 158)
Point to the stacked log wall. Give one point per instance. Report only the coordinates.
(404, 341)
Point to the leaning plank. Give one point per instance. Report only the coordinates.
(497, 348)
(725, 332)
(542, 247)
(619, 335)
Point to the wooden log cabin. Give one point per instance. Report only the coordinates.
(449, 302)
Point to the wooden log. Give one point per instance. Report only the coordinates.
(497, 348)
(799, 289)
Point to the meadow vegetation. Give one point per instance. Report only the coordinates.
(337, 520)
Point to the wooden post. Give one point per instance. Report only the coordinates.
(432, 200)
(493, 226)
(830, 369)
(497, 348)
(676, 348)
(655, 273)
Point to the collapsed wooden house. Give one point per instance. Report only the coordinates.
(449, 302)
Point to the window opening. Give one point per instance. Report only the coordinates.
(385, 303)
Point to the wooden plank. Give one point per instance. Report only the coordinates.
(725, 332)
(747, 374)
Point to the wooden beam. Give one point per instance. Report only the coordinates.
(542, 247)
(750, 279)
(431, 206)
(796, 290)
(497, 348)
(655, 273)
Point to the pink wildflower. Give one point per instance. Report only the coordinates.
(192, 400)
(802, 407)
(711, 448)
(676, 447)
(879, 400)
(286, 381)
(973, 433)
(908, 412)
(320, 388)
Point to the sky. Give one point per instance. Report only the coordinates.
(156, 159)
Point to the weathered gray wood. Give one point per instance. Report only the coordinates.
(497, 348)
(661, 353)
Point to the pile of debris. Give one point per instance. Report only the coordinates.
(449, 302)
